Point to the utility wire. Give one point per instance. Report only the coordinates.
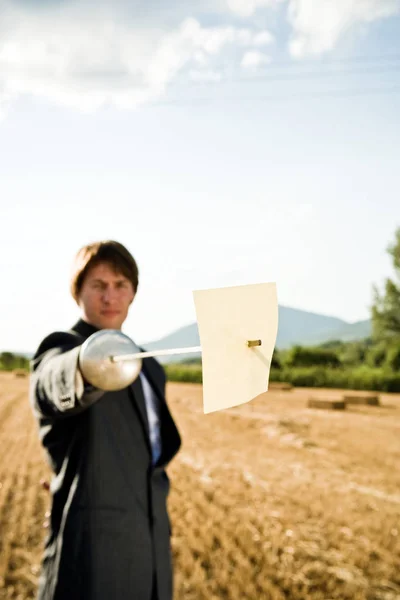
(299, 63)
(234, 99)
(298, 76)
(294, 71)
(288, 71)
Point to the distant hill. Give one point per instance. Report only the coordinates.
(307, 328)
(295, 327)
(349, 332)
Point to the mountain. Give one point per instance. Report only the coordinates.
(306, 328)
(294, 327)
(349, 332)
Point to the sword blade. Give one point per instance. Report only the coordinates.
(127, 357)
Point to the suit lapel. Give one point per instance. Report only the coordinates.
(137, 396)
(170, 438)
(136, 390)
(84, 329)
(151, 374)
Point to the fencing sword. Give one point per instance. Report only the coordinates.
(237, 329)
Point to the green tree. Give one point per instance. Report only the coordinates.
(353, 353)
(386, 306)
(10, 361)
(7, 360)
(276, 360)
(393, 358)
(376, 355)
(300, 356)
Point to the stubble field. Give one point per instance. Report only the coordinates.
(269, 501)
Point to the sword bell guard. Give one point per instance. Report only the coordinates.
(97, 366)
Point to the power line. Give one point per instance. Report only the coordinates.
(293, 70)
(394, 90)
(299, 76)
(298, 63)
(342, 93)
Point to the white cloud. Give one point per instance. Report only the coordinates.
(206, 75)
(98, 60)
(246, 8)
(212, 39)
(318, 25)
(252, 59)
(200, 58)
(74, 55)
(263, 38)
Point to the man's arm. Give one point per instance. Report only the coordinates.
(57, 388)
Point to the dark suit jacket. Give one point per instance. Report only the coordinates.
(109, 525)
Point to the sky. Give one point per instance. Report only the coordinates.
(224, 142)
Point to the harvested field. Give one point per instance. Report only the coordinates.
(278, 386)
(269, 500)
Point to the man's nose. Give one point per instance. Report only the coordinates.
(108, 294)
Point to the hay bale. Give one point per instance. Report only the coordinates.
(20, 373)
(363, 399)
(327, 402)
(280, 386)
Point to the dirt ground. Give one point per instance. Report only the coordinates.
(269, 500)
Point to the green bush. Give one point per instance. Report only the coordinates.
(376, 356)
(353, 354)
(359, 378)
(299, 356)
(191, 361)
(393, 358)
(276, 362)
(10, 361)
(184, 373)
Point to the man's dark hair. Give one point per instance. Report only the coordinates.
(110, 252)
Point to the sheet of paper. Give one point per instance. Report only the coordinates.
(227, 317)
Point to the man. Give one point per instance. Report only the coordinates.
(109, 536)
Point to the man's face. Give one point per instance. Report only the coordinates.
(105, 297)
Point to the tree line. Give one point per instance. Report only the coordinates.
(10, 361)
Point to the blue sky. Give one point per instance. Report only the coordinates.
(224, 142)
